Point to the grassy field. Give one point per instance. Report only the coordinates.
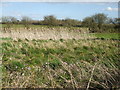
(60, 63)
(107, 35)
(59, 57)
(14, 26)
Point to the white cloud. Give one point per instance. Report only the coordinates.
(111, 9)
(60, 0)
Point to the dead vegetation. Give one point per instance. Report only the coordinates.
(45, 33)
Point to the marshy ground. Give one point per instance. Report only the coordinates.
(61, 63)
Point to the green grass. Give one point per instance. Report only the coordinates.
(107, 35)
(6, 38)
(15, 26)
(61, 63)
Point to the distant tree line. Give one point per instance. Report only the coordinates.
(95, 23)
(48, 20)
(101, 23)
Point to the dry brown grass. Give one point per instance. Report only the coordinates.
(45, 33)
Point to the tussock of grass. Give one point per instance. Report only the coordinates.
(60, 64)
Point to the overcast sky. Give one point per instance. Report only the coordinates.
(76, 10)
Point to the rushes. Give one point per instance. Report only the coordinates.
(60, 64)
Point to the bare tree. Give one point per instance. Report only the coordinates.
(100, 19)
(95, 22)
(90, 23)
(26, 21)
(50, 20)
(8, 21)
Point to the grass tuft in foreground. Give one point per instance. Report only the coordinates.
(61, 64)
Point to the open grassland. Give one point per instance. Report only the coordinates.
(59, 57)
(60, 63)
(107, 35)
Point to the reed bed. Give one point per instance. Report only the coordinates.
(45, 33)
